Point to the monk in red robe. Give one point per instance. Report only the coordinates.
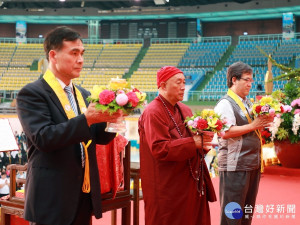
(175, 179)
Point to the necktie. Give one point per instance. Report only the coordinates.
(74, 107)
(71, 99)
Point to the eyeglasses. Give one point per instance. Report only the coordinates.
(248, 80)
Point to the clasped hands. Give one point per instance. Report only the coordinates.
(262, 121)
(205, 138)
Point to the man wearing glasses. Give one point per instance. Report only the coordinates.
(239, 157)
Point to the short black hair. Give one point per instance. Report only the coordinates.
(55, 38)
(236, 70)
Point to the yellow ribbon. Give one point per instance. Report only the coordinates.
(86, 187)
(64, 101)
(243, 108)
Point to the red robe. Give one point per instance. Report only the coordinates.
(169, 190)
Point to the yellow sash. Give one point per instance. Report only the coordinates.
(243, 108)
(64, 101)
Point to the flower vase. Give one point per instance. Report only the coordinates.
(119, 127)
(288, 154)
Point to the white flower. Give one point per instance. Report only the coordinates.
(274, 127)
(296, 123)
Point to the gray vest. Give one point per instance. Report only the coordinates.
(239, 153)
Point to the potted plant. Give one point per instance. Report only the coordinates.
(285, 130)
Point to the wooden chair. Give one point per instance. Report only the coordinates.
(14, 205)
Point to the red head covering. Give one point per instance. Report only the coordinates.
(165, 73)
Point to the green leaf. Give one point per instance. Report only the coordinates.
(282, 134)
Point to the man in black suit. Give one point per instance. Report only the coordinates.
(58, 131)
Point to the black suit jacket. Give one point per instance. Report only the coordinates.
(55, 174)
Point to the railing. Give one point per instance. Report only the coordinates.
(85, 41)
(191, 40)
(151, 95)
(29, 40)
(8, 95)
(195, 96)
(172, 40)
(264, 37)
(165, 40)
(131, 41)
(216, 39)
(113, 41)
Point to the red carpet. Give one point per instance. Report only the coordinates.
(278, 200)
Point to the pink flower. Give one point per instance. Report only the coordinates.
(121, 99)
(265, 108)
(295, 102)
(287, 108)
(106, 97)
(297, 111)
(120, 92)
(224, 121)
(190, 123)
(272, 112)
(132, 98)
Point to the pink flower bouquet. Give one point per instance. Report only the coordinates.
(267, 106)
(118, 94)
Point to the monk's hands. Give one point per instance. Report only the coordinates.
(262, 121)
(206, 139)
(94, 115)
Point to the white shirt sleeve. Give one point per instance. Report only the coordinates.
(224, 109)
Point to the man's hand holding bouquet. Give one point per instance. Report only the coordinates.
(267, 108)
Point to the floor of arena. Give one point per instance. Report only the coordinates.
(278, 193)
